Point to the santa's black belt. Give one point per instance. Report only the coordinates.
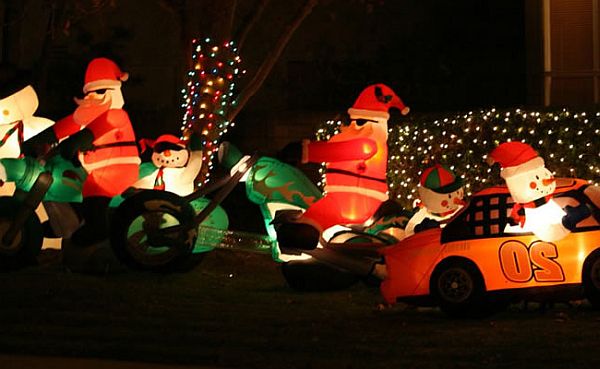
(349, 173)
(113, 144)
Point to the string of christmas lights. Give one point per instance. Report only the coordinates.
(568, 141)
(208, 95)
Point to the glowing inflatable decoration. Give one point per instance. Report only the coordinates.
(273, 186)
(356, 161)
(441, 193)
(174, 166)
(17, 122)
(531, 186)
(356, 166)
(100, 133)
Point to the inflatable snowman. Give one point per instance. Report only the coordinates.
(17, 122)
(441, 196)
(174, 166)
(531, 186)
(18, 103)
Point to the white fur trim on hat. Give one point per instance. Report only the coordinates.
(100, 84)
(522, 168)
(369, 113)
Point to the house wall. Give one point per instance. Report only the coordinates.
(571, 53)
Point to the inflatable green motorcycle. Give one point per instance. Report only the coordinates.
(160, 231)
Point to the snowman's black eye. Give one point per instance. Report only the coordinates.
(537, 177)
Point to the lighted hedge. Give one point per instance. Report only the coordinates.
(569, 142)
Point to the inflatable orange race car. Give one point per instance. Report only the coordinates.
(482, 260)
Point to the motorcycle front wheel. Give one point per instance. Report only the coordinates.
(154, 231)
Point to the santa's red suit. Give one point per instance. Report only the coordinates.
(356, 164)
(101, 132)
(355, 176)
(113, 162)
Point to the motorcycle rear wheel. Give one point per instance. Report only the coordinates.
(25, 248)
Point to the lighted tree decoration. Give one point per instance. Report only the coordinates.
(208, 96)
(566, 140)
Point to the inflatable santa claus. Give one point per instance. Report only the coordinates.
(100, 135)
(356, 168)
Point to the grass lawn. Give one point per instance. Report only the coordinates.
(235, 310)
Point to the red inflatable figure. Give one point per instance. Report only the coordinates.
(100, 134)
(356, 168)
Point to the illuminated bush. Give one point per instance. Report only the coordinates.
(569, 142)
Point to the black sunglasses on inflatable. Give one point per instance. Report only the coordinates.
(164, 146)
(100, 91)
(361, 122)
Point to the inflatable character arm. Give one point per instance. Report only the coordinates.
(323, 151)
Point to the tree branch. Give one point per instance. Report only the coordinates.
(249, 22)
(254, 85)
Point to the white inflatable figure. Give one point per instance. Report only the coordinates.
(441, 196)
(17, 122)
(174, 165)
(531, 186)
(18, 104)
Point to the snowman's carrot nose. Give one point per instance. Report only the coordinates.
(548, 181)
(458, 201)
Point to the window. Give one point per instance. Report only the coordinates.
(484, 217)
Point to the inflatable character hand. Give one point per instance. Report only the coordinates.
(194, 143)
(39, 144)
(80, 141)
(574, 215)
(426, 224)
(291, 153)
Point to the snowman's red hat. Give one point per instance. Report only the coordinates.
(515, 158)
(376, 101)
(163, 140)
(103, 73)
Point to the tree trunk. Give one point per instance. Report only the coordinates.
(249, 22)
(254, 85)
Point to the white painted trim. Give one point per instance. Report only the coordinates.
(357, 190)
(596, 48)
(108, 162)
(547, 52)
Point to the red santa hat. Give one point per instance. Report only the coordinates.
(103, 73)
(376, 101)
(515, 158)
(163, 139)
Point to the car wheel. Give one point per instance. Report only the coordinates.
(314, 276)
(26, 246)
(139, 237)
(458, 288)
(591, 279)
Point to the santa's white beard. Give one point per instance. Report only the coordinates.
(545, 221)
